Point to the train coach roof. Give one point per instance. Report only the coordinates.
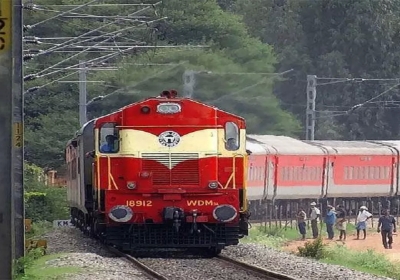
(282, 145)
(392, 143)
(354, 147)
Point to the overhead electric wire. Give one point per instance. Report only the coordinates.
(138, 83)
(373, 98)
(88, 48)
(104, 58)
(70, 57)
(101, 27)
(73, 9)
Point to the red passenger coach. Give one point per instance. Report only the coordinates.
(360, 169)
(164, 172)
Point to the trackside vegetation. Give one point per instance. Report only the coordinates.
(367, 261)
(43, 205)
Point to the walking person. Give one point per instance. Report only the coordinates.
(330, 221)
(301, 222)
(341, 223)
(387, 225)
(315, 214)
(362, 217)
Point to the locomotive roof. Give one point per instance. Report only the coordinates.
(273, 144)
(161, 99)
(354, 147)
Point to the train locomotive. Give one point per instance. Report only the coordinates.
(165, 172)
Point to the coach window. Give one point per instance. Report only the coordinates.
(231, 136)
(109, 138)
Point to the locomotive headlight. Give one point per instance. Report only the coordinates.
(213, 185)
(131, 185)
(120, 213)
(168, 108)
(224, 213)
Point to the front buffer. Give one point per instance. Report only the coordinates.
(210, 221)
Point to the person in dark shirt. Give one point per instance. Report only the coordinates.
(301, 222)
(387, 225)
(108, 147)
(341, 222)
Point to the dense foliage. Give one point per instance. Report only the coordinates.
(244, 42)
(336, 39)
(43, 203)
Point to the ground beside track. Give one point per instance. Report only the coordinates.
(73, 256)
(86, 260)
(362, 255)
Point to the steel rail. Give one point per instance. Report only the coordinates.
(150, 273)
(271, 275)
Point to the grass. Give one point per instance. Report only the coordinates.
(35, 262)
(38, 269)
(367, 261)
(38, 229)
(270, 236)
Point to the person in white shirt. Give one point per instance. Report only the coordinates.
(315, 214)
(363, 216)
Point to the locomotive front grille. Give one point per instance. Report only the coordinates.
(172, 168)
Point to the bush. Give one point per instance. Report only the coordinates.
(315, 249)
(46, 204)
(43, 203)
(25, 262)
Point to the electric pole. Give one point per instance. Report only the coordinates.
(310, 111)
(82, 93)
(18, 128)
(188, 83)
(6, 137)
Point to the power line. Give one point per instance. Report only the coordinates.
(73, 9)
(373, 98)
(312, 93)
(99, 28)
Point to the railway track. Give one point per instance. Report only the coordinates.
(267, 274)
(151, 272)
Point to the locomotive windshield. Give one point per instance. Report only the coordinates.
(109, 138)
(231, 136)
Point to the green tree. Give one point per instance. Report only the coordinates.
(334, 38)
(51, 113)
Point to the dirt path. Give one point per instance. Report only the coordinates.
(373, 242)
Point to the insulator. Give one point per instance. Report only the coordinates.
(28, 57)
(30, 77)
(32, 89)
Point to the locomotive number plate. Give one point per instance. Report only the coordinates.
(139, 203)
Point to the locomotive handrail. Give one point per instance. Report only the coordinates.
(233, 177)
(110, 176)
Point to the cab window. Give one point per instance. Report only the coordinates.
(231, 136)
(109, 138)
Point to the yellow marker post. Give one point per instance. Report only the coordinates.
(17, 131)
(5, 26)
(6, 117)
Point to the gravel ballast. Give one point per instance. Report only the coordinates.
(98, 263)
(289, 264)
(83, 252)
(195, 269)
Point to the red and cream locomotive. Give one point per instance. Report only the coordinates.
(164, 172)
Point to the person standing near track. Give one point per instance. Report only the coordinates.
(387, 225)
(301, 222)
(315, 215)
(363, 216)
(341, 223)
(330, 221)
